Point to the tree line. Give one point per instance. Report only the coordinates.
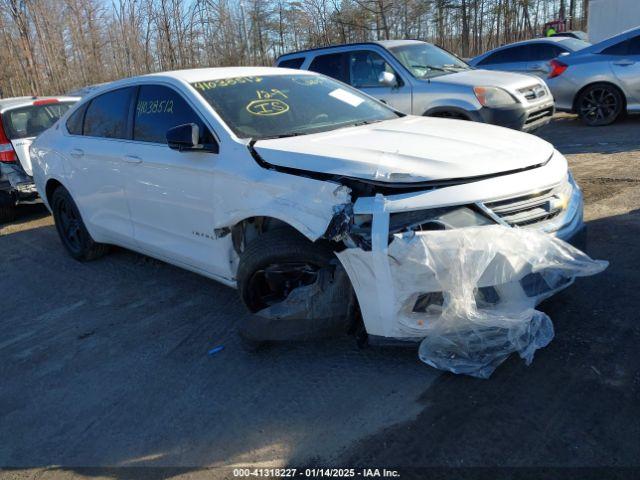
(55, 46)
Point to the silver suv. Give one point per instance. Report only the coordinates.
(421, 79)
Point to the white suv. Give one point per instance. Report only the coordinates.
(256, 177)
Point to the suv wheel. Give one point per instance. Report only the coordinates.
(71, 228)
(7, 207)
(599, 104)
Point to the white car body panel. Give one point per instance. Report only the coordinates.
(410, 149)
(21, 146)
(176, 206)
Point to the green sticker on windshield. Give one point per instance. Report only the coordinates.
(225, 82)
(307, 80)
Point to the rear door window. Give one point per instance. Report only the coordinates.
(333, 65)
(508, 55)
(291, 63)
(108, 114)
(32, 120)
(634, 46)
(621, 48)
(159, 109)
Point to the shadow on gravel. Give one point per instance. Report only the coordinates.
(576, 405)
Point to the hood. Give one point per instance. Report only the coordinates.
(488, 78)
(409, 149)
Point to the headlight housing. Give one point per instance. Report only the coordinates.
(494, 97)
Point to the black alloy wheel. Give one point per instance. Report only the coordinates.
(599, 105)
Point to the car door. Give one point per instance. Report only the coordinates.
(540, 54)
(341, 66)
(625, 64)
(94, 164)
(171, 194)
(510, 59)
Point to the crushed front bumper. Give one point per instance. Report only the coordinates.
(377, 274)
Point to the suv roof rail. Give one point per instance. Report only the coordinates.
(326, 47)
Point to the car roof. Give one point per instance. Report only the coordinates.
(524, 42)
(16, 102)
(205, 74)
(381, 43)
(194, 75)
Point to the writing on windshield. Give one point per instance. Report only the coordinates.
(284, 105)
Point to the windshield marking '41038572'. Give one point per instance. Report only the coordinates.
(275, 106)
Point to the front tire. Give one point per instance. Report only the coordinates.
(599, 104)
(71, 229)
(277, 262)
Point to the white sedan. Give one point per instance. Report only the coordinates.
(261, 178)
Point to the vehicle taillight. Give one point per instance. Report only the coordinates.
(557, 68)
(7, 153)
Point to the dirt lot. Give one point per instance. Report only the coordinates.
(106, 363)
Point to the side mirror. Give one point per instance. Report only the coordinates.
(187, 138)
(387, 79)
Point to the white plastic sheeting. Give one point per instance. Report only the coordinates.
(470, 293)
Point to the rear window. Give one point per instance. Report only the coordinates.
(108, 114)
(575, 44)
(32, 120)
(332, 65)
(291, 63)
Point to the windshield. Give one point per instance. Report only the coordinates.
(32, 120)
(285, 105)
(424, 60)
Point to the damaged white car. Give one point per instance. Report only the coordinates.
(295, 188)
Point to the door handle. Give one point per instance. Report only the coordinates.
(624, 63)
(132, 159)
(76, 153)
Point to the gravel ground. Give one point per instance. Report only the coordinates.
(106, 364)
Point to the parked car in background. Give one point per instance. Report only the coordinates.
(530, 56)
(21, 120)
(600, 82)
(256, 177)
(580, 35)
(422, 79)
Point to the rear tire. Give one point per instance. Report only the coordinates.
(71, 229)
(7, 207)
(599, 104)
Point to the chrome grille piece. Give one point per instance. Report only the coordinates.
(533, 92)
(528, 210)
